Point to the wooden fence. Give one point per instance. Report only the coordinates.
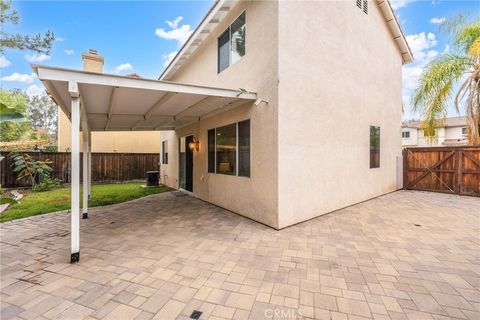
(106, 167)
(454, 170)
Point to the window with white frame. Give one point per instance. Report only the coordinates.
(464, 131)
(406, 134)
(374, 147)
(229, 149)
(165, 152)
(231, 43)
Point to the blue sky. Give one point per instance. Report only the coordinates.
(140, 37)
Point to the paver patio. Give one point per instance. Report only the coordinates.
(405, 255)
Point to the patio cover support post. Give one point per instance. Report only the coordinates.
(85, 130)
(75, 162)
(85, 174)
(89, 163)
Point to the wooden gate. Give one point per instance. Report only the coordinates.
(454, 170)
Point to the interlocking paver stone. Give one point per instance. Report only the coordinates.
(164, 256)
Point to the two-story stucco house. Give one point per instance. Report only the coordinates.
(450, 132)
(328, 133)
(280, 111)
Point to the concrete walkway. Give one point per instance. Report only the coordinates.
(406, 255)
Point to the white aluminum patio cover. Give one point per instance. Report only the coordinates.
(126, 103)
(103, 102)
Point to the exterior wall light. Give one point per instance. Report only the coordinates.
(194, 145)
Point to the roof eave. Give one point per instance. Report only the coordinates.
(207, 19)
(396, 29)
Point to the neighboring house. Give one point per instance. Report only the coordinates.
(108, 141)
(279, 111)
(452, 132)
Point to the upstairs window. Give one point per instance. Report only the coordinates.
(464, 131)
(374, 147)
(231, 43)
(406, 134)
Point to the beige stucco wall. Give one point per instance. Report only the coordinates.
(339, 73)
(254, 197)
(169, 172)
(111, 141)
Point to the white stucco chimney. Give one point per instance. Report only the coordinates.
(92, 61)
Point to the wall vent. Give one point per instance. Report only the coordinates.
(363, 5)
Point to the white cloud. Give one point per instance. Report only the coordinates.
(69, 52)
(34, 90)
(37, 58)
(123, 67)
(421, 43)
(423, 49)
(168, 58)
(20, 77)
(397, 4)
(437, 20)
(60, 39)
(4, 62)
(180, 34)
(174, 24)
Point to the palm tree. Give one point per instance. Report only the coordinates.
(437, 80)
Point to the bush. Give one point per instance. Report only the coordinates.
(38, 172)
(46, 184)
(50, 149)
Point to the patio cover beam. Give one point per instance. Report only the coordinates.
(200, 104)
(110, 108)
(159, 103)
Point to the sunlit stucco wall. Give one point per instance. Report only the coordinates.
(339, 73)
(254, 197)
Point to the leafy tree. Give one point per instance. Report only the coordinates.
(37, 42)
(9, 114)
(437, 80)
(42, 114)
(12, 131)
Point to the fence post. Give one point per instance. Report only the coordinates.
(459, 170)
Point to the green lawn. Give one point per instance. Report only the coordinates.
(35, 203)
